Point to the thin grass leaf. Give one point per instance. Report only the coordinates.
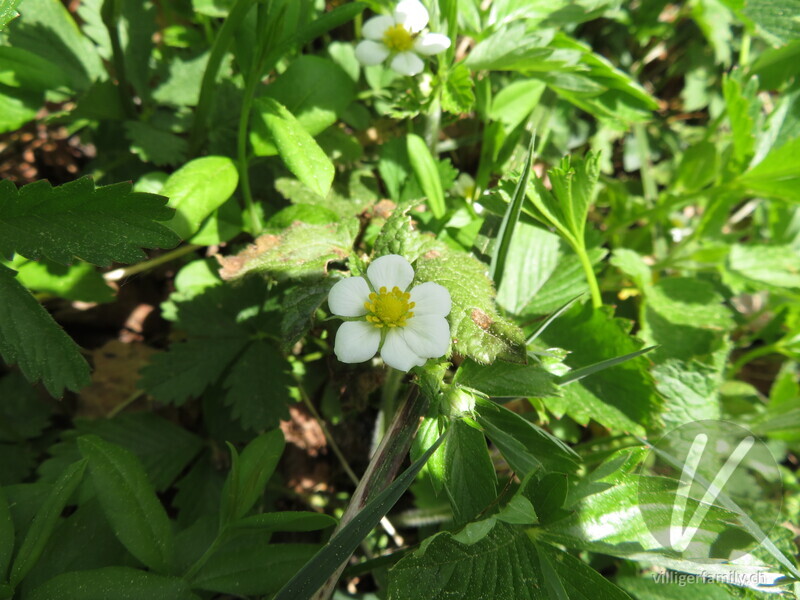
(316, 571)
(552, 318)
(510, 219)
(603, 364)
(424, 165)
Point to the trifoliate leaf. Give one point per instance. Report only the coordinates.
(232, 342)
(97, 224)
(30, 338)
(303, 250)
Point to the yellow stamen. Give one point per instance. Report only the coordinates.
(389, 309)
(398, 39)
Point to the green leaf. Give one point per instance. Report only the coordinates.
(31, 339)
(45, 521)
(286, 521)
(743, 110)
(299, 252)
(79, 281)
(525, 446)
(17, 107)
(197, 189)
(503, 564)
(469, 477)
(427, 174)
(298, 149)
(20, 68)
(249, 475)
(672, 586)
(316, 571)
(578, 374)
(507, 380)
(77, 220)
(300, 303)
(458, 96)
(510, 219)
(248, 565)
(774, 19)
(6, 536)
(569, 578)
(181, 83)
(49, 31)
(130, 503)
(622, 397)
(7, 12)
(777, 176)
(156, 145)
(756, 266)
(23, 414)
(246, 370)
(120, 583)
(315, 106)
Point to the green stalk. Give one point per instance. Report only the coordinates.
(110, 15)
(594, 289)
(218, 51)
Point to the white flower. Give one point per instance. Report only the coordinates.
(400, 36)
(407, 326)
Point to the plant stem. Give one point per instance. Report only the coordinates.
(433, 122)
(118, 274)
(382, 468)
(744, 50)
(591, 279)
(218, 51)
(110, 16)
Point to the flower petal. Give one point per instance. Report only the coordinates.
(356, 341)
(427, 336)
(411, 14)
(396, 353)
(430, 298)
(375, 27)
(371, 53)
(348, 296)
(407, 63)
(431, 43)
(390, 271)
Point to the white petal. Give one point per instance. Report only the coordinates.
(348, 296)
(396, 353)
(356, 341)
(430, 299)
(427, 336)
(371, 53)
(431, 43)
(407, 63)
(376, 26)
(411, 14)
(390, 271)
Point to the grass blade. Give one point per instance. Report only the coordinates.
(603, 364)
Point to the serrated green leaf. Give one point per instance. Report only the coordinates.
(427, 174)
(776, 19)
(301, 251)
(507, 380)
(197, 189)
(300, 303)
(121, 583)
(45, 521)
(181, 83)
(525, 446)
(298, 149)
(130, 503)
(569, 578)
(777, 176)
(458, 96)
(249, 475)
(758, 265)
(503, 564)
(31, 339)
(100, 225)
(469, 477)
(743, 110)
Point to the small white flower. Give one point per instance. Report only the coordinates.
(400, 35)
(408, 326)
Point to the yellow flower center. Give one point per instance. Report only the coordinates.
(398, 39)
(389, 309)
